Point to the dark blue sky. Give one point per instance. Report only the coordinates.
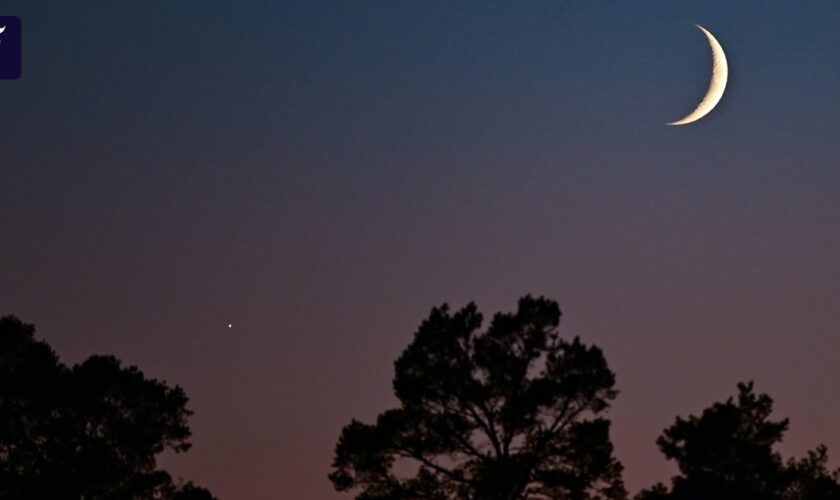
(321, 175)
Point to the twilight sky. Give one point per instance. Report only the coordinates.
(321, 175)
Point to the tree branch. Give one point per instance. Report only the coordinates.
(437, 468)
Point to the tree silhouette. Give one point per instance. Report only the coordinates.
(809, 478)
(514, 412)
(90, 431)
(190, 491)
(728, 452)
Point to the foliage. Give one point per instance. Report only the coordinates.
(728, 452)
(514, 412)
(92, 430)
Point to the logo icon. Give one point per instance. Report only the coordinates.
(10, 48)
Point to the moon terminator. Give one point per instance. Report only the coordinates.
(720, 74)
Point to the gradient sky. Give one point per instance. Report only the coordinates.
(321, 175)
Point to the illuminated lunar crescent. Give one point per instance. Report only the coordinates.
(720, 73)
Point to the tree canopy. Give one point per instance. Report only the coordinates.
(728, 452)
(88, 431)
(512, 412)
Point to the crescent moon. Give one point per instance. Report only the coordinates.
(720, 74)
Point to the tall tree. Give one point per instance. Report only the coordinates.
(514, 412)
(728, 452)
(90, 431)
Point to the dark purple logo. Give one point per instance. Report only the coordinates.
(9, 48)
